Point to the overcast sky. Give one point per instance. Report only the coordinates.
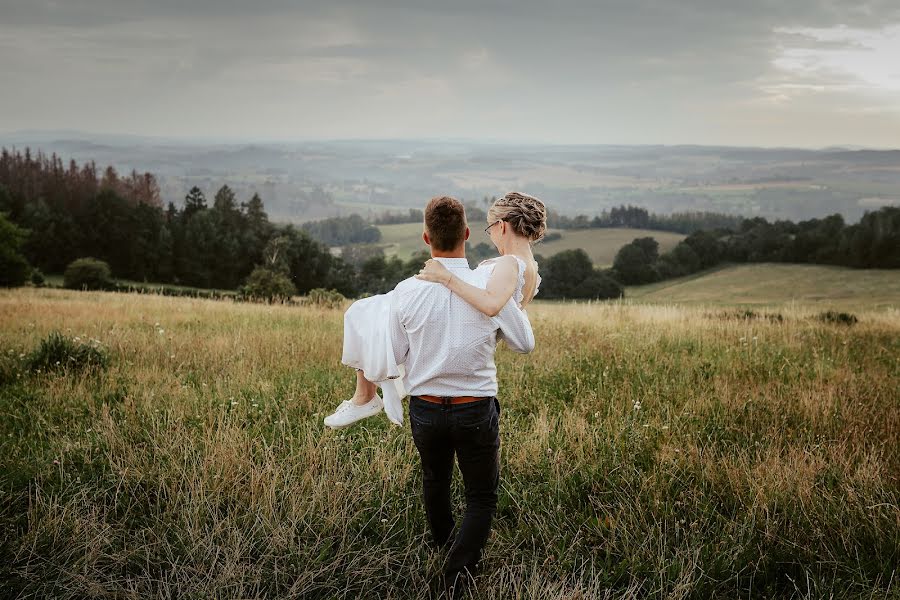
(807, 73)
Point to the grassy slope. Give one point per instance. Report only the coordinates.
(402, 240)
(600, 244)
(771, 284)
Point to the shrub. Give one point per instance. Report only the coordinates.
(37, 278)
(839, 318)
(324, 298)
(57, 352)
(88, 274)
(746, 314)
(268, 285)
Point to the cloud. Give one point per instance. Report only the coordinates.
(581, 71)
(844, 58)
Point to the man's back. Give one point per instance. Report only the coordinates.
(447, 344)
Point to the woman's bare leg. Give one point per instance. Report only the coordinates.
(365, 389)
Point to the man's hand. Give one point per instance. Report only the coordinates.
(435, 272)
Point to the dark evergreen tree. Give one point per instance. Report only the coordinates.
(194, 202)
(14, 269)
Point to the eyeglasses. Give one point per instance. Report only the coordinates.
(487, 229)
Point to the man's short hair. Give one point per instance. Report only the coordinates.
(445, 222)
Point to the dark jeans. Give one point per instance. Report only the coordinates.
(472, 432)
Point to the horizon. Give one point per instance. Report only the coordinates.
(61, 135)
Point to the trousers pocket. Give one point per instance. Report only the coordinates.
(477, 416)
(421, 412)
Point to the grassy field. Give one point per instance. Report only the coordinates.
(765, 284)
(600, 244)
(648, 451)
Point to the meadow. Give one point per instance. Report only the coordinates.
(601, 245)
(648, 451)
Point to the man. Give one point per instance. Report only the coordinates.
(448, 347)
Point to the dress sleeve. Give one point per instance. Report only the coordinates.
(515, 328)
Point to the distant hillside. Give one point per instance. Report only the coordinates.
(303, 181)
(601, 244)
(772, 284)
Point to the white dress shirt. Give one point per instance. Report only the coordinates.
(446, 344)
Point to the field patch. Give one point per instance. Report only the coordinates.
(603, 244)
(775, 284)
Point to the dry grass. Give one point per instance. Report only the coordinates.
(648, 452)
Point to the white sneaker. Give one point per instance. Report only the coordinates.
(348, 413)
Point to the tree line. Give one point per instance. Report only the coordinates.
(636, 217)
(874, 242)
(62, 214)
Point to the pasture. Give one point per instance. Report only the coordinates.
(648, 451)
(600, 244)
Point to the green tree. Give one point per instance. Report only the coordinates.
(708, 248)
(563, 273)
(228, 223)
(309, 262)
(257, 230)
(194, 202)
(634, 262)
(108, 227)
(681, 260)
(199, 250)
(14, 269)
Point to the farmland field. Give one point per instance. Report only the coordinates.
(600, 244)
(648, 451)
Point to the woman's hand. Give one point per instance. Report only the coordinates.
(435, 272)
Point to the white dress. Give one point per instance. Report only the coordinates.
(367, 342)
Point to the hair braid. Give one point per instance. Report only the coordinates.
(525, 214)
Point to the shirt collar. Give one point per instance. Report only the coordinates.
(458, 263)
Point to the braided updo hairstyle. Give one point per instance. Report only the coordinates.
(525, 214)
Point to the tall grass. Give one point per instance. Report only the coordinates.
(647, 452)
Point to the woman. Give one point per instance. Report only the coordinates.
(515, 222)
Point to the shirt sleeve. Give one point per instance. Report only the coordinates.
(399, 337)
(515, 328)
